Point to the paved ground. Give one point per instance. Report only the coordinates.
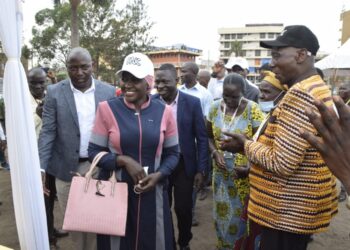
(337, 237)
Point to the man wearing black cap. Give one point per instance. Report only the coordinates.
(292, 191)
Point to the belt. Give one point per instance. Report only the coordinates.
(83, 159)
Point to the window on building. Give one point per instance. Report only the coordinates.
(271, 35)
(262, 35)
(257, 52)
(244, 53)
(226, 45)
(227, 36)
(269, 53)
(233, 36)
(239, 36)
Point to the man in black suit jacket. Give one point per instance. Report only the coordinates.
(193, 141)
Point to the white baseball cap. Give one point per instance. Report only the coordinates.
(240, 61)
(139, 65)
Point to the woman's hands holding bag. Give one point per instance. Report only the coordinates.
(134, 168)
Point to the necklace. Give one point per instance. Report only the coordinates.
(225, 126)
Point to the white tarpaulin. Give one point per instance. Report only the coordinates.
(339, 59)
(21, 140)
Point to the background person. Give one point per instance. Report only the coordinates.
(203, 78)
(138, 131)
(240, 66)
(271, 92)
(36, 81)
(217, 79)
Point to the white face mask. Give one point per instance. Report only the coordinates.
(267, 106)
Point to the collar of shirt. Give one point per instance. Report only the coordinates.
(92, 87)
(174, 102)
(195, 87)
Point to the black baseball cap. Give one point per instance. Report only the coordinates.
(297, 36)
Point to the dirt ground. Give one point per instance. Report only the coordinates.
(336, 238)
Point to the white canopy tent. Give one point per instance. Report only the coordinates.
(339, 59)
(21, 139)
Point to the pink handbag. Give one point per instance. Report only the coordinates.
(96, 206)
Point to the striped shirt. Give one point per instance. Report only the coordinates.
(291, 187)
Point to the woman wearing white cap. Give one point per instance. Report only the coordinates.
(140, 135)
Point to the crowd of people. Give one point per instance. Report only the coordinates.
(258, 146)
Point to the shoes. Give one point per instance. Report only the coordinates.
(59, 233)
(195, 223)
(52, 241)
(203, 194)
(185, 248)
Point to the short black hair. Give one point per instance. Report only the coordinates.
(193, 66)
(170, 67)
(235, 79)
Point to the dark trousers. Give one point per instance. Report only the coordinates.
(50, 203)
(181, 188)
(272, 239)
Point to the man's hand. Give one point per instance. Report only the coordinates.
(148, 183)
(235, 143)
(241, 171)
(198, 181)
(43, 181)
(334, 142)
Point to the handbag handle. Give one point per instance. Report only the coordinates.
(94, 164)
(95, 161)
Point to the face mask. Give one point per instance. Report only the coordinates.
(214, 75)
(266, 106)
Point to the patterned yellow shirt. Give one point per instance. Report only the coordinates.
(291, 188)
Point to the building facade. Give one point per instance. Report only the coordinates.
(345, 30)
(246, 42)
(177, 55)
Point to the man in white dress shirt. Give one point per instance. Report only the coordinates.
(217, 80)
(189, 72)
(68, 116)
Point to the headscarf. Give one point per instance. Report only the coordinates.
(271, 78)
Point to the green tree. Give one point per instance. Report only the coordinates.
(109, 34)
(74, 24)
(236, 47)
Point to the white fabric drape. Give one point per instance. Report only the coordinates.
(21, 140)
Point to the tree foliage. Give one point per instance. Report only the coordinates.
(108, 33)
(236, 47)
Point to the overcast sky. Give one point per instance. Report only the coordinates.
(196, 22)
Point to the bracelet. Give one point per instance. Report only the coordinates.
(213, 152)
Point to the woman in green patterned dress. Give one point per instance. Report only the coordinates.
(235, 114)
